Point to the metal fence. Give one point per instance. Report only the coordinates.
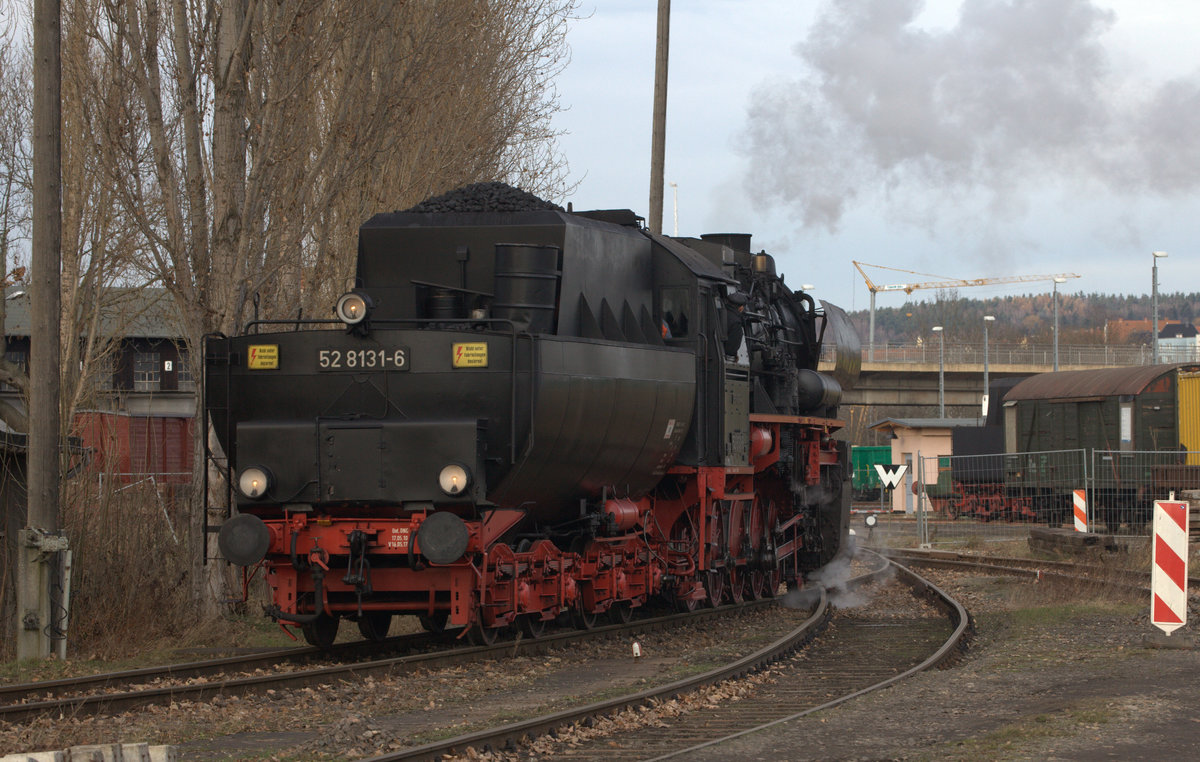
(999, 497)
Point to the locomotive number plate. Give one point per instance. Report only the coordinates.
(395, 358)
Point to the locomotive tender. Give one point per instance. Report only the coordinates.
(524, 412)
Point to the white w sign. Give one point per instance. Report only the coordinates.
(891, 474)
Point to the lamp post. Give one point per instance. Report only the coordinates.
(1056, 282)
(986, 319)
(1154, 292)
(675, 205)
(941, 371)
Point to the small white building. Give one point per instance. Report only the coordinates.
(1178, 342)
(914, 438)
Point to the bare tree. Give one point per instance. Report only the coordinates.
(15, 199)
(246, 140)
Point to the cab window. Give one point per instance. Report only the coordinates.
(676, 312)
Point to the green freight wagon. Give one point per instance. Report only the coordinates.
(864, 478)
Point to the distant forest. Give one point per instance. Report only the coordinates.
(1082, 318)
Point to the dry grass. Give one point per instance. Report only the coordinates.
(132, 564)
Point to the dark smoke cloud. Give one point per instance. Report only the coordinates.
(1016, 99)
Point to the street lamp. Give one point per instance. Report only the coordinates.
(941, 371)
(675, 205)
(1056, 282)
(986, 319)
(1154, 292)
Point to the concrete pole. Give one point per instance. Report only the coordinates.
(986, 319)
(39, 541)
(1056, 324)
(1154, 292)
(871, 332)
(658, 140)
(941, 370)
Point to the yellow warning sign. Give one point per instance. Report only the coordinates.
(262, 357)
(470, 355)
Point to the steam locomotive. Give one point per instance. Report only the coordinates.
(523, 413)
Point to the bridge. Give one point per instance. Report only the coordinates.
(904, 377)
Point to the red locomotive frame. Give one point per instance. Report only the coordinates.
(725, 534)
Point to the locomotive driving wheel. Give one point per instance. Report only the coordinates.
(714, 585)
(760, 542)
(715, 578)
(738, 573)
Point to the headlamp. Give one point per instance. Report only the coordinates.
(353, 308)
(254, 482)
(454, 479)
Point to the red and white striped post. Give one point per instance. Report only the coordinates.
(1168, 577)
(1080, 504)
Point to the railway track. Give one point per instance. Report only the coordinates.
(856, 655)
(1115, 576)
(116, 692)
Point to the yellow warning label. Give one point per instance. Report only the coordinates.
(470, 355)
(262, 357)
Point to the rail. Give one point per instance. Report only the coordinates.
(125, 691)
(510, 735)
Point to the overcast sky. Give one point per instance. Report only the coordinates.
(957, 139)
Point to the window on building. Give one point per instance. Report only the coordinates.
(147, 372)
(104, 373)
(184, 373)
(20, 359)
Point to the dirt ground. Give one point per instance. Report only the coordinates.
(1050, 676)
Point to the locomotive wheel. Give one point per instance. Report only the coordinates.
(374, 625)
(583, 619)
(621, 613)
(771, 583)
(714, 585)
(756, 584)
(322, 632)
(739, 514)
(736, 584)
(483, 636)
(685, 605)
(532, 625)
(435, 622)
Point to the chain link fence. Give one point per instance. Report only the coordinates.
(998, 497)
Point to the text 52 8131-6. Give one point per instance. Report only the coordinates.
(378, 358)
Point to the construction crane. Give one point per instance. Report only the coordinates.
(908, 288)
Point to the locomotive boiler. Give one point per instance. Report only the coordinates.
(521, 413)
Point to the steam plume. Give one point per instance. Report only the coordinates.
(1018, 98)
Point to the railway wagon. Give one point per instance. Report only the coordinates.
(522, 414)
(1142, 424)
(1129, 409)
(1137, 429)
(864, 479)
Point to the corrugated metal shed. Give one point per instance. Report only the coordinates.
(1080, 384)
